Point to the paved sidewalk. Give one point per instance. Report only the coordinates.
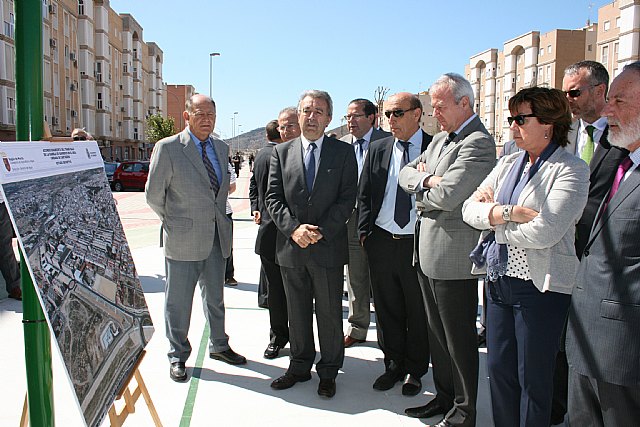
(217, 393)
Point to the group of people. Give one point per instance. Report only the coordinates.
(417, 220)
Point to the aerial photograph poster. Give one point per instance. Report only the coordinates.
(70, 233)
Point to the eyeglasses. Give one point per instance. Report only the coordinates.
(79, 138)
(398, 113)
(289, 126)
(575, 93)
(519, 119)
(349, 117)
(201, 115)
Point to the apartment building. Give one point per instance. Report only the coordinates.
(177, 96)
(98, 74)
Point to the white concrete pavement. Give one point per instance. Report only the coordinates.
(217, 393)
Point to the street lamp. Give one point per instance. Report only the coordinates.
(238, 140)
(211, 55)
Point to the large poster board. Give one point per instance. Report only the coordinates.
(68, 227)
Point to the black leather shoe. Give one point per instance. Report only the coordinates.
(288, 380)
(178, 372)
(429, 410)
(442, 423)
(411, 385)
(387, 380)
(272, 351)
(229, 356)
(327, 387)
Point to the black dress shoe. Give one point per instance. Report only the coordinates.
(411, 385)
(442, 423)
(327, 387)
(387, 380)
(429, 410)
(229, 356)
(272, 351)
(178, 372)
(288, 380)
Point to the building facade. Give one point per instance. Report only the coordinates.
(177, 96)
(98, 74)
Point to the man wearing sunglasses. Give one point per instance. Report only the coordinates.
(443, 177)
(361, 116)
(386, 221)
(80, 134)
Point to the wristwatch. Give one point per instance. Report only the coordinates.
(506, 212)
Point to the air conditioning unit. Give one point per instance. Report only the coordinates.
(74, 113)
(53, 9)
(120, 87)
(53, 43)
(122, 109)
(119, 123)
(55, 121)
(72, 56)
(73, 87)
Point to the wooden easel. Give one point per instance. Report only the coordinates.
(130, 399)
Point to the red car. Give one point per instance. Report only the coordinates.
(131, 175)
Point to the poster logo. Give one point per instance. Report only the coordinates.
(5, 160)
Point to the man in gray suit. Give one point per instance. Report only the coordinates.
(443, 177)
(187, 187)
(603, 344)
(361, 115)
(311, 194)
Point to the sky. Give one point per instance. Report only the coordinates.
(272, 51)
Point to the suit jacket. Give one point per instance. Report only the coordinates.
(329, 205)
(602, 335)
(266, 237)
(445, 240)
(558, 191)
(179, 192)
(373, 181)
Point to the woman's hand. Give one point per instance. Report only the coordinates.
(483, 195)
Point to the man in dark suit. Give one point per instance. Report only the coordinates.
(270, 277)
(443, 177)
(311, 194)
(361, 115)
(603, 344)
(386, 223)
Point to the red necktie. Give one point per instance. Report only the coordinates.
(622, 170)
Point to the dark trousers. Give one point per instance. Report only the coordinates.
(400, 314)
(302, 286)
(279, 331)
(523, 336)
(263, 289)
(452, 307)
(8, 265)
(597, 403)
(229, 271)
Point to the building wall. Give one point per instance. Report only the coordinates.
(177, 96)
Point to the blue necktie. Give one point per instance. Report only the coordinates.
(403, 200)
(213, 178)
(310, 166)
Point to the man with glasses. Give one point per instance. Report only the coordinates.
(386, 222)
(361, 116)
(80, 134)
(187, 187)
(443, 177)
(288, 124)
(311, 193)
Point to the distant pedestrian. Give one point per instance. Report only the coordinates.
(237, 162)
(251, 159)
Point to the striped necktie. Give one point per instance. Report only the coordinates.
(402, 210)
(213, 178)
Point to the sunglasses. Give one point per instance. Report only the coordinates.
(519, 119)
(397, 113)
(79, 138)
(575, 93)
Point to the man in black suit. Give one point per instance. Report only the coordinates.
(311, 194)
(361, 115)
(386, 224)
(603, 344)
(270, 278)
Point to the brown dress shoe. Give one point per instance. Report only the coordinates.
(349, 341)
(16, 293)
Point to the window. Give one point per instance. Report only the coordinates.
(615, 48)
(618, 22)
(590, 48)
(99, 101)
(548, 79)
(135, 133)
(11, 106)
(541, 51)
(9, 26)
(607, 25)
(135, 53)
(549, 48)
(605, 55)
(125, 67)
(80, 7)
(98, 71)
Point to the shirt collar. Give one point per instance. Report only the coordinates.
(366, 136)
(466, 122)
(195, 139)
(599, 124)
(416, 138)
(306, 142)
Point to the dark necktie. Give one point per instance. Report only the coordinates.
(360, 150)
(310, 165)
(447, 140)
(403, 200)
(589, 146)
(624, 166)
(213, 178)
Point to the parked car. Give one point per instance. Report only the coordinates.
(109, 170)
(131, 175)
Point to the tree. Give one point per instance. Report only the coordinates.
(159, 127)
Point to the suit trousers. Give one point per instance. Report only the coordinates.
(452, 307)
(523, 337)
(400, 314)
(9, 266)
(278, 317)
(358, 284)
(182, 277)
(596, 403)
(302, 285)
(263, 288)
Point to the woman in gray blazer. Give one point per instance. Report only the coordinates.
(529, 205)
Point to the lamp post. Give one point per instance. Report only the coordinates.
(211, 55)
(238, 139)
